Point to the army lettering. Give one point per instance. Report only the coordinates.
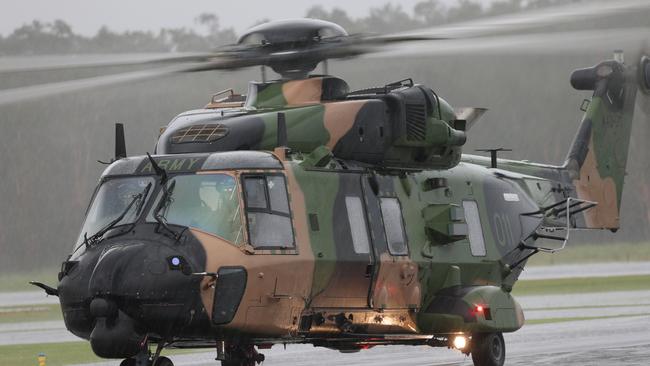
(173, 165)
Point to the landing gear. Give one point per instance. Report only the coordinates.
(239, 355)
(146, 358)
(488, 349)
(161, 361)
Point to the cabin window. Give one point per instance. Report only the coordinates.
(393, 226)
(473, 220)
(358, 228)
(267, 211)
(208, 202)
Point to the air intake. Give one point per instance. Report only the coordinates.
(199, 133)
(415, 122)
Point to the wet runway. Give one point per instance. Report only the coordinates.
(614, 330)
(585, 270)
(623, 341)
(623, 338)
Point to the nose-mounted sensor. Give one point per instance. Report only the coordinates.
(178, 263)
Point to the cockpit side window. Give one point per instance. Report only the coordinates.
(255, 192)
(267, 211)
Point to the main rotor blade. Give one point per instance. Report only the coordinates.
(530, 20)
(24, 94)
(595, 41)
(10, 65)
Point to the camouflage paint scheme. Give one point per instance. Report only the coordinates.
(324, 292)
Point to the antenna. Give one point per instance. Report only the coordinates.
(120, 144)
(162, 173)
(282, 130)
(263, 71)
(493, 155)
(281, 149)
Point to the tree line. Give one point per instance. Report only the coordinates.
(58, 37)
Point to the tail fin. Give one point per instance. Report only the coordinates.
(598, 157)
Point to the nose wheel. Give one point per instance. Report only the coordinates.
(146, 358)
(488, 349)
(241, 355)
(161, 361)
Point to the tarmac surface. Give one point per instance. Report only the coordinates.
(614, 329)
(585, 270)
(622, 341)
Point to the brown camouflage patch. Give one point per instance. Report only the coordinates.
(308, 91)
(339, 118)
(592, 187)
(277, 284)
(397, 285)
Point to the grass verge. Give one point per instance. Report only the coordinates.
(595, 253)
(582, 285)
(20, 281)
(562, 320)
(589, 307)
(58, 354)
(30, 313)
(582, 253)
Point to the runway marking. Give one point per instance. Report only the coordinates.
(564, 320)
(587, 307)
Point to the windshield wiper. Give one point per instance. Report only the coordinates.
(166, 197)
(165, 200)
(138, 198)
(145, 193)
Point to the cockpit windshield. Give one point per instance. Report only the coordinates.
(116, 197)
(208, 202)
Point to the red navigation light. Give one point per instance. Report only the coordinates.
(483, 310)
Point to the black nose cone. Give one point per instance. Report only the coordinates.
(120, 292)
(143, 271)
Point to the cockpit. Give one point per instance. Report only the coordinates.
(240, 206)
(207, 202)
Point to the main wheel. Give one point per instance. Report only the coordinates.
(163, 361)
(242, 355)
(488, 349)
(128, 362)
(238, 363)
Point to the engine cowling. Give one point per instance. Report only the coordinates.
(406, 126)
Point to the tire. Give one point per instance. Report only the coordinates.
(128, 362)
(237, 363)
(488, 349)
(163, 361)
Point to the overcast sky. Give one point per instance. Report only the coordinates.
(87, 16)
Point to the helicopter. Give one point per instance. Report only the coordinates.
(304, 212)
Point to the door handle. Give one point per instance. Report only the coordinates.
(369, 270)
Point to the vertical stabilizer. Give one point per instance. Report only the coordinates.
(598, 156)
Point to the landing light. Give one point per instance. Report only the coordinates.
(460, 342)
